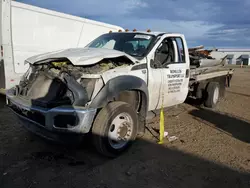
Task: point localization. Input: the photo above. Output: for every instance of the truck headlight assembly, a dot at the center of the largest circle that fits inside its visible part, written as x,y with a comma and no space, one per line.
88,84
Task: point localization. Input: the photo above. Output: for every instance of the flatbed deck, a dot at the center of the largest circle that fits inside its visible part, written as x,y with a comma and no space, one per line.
200,74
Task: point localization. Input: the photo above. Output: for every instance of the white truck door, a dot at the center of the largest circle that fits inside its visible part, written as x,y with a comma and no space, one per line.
173,60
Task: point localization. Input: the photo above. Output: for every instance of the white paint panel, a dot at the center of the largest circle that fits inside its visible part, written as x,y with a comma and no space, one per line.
123,71
35,33
154,87
87,36
174,85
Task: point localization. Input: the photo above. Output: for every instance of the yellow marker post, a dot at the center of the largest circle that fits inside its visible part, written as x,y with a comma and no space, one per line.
161,139
161,126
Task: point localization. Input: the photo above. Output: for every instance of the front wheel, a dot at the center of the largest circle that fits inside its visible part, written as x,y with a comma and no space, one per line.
114,128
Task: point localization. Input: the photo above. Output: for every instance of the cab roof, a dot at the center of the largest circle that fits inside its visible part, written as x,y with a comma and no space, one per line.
155,33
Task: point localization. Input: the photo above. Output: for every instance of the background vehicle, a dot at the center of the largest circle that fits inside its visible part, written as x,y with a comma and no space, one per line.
28,30
109,87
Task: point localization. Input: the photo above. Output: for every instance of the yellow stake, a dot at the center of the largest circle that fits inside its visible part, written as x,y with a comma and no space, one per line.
161,139
161,126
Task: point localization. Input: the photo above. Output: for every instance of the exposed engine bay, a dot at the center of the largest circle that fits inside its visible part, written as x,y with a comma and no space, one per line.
59,82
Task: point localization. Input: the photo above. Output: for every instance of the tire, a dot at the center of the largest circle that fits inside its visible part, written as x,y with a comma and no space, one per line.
212,94
107,124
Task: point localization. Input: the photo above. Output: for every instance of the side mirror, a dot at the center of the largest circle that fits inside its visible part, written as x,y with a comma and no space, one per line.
152,63
165,65
156,65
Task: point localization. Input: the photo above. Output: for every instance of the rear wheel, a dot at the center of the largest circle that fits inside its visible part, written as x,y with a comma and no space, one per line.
212,94
114,128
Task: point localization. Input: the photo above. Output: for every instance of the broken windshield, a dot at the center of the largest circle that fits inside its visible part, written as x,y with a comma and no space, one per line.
134,44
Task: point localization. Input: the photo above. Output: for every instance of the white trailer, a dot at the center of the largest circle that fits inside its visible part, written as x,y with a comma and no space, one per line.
28,30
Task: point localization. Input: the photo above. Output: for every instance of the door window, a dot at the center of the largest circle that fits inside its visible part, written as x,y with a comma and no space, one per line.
180,50
164,53
170,51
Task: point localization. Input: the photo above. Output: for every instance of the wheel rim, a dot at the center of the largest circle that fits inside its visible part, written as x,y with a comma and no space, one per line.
216,95
120,130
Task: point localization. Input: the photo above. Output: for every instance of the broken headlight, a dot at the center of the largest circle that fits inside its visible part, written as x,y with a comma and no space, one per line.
27,73
89,85
82,89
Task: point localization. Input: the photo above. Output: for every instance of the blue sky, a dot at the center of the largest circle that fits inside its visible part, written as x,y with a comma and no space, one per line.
213,23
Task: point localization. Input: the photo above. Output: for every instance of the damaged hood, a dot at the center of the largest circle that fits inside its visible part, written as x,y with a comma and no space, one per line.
80,56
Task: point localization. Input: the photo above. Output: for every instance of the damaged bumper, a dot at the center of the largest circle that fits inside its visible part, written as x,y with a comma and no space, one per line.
63,119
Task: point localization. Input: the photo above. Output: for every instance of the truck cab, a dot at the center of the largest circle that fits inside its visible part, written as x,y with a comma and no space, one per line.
162,62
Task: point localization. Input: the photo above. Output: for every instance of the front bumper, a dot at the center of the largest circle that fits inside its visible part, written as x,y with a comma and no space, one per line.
63,119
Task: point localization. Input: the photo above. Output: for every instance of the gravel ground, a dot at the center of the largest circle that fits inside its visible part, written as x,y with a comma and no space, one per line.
212,150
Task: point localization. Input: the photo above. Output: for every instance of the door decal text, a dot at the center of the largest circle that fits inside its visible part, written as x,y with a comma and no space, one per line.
175,79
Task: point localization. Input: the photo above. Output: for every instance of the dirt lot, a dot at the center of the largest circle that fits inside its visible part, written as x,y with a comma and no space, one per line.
213,150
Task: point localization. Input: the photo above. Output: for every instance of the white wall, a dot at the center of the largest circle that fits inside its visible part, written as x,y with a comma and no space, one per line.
219,55
36,30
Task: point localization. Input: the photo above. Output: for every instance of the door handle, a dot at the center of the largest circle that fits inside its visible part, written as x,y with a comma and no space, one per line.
187,73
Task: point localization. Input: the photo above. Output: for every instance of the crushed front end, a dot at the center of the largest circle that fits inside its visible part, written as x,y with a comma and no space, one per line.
54,97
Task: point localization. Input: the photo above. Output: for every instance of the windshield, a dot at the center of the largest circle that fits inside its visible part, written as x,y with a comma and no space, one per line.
134,44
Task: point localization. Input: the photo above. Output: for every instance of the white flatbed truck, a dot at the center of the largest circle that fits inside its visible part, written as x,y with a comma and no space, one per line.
107,88
29,30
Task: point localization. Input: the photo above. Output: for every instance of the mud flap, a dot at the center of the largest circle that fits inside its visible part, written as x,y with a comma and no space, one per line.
2,76
228,80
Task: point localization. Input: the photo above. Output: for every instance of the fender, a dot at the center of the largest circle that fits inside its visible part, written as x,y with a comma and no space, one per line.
117,85
124,83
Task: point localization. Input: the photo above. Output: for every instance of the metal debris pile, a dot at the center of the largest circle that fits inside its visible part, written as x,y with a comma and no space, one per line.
200,57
